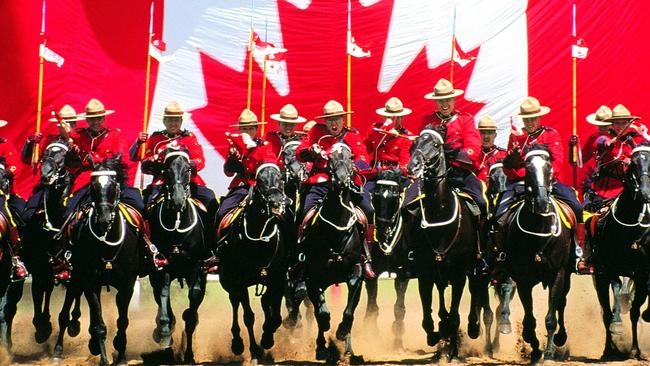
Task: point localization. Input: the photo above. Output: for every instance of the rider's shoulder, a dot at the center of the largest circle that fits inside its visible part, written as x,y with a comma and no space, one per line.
3,140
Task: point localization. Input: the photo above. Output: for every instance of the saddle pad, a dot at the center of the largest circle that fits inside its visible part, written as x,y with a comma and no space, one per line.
566,214
307,221
471,204
228,219
133,216
199,204
361,217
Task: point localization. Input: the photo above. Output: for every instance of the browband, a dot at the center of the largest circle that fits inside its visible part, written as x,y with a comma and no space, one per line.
641,148
537,153
99,173
59,145
386,182
177,153
495,166
432,132
266,165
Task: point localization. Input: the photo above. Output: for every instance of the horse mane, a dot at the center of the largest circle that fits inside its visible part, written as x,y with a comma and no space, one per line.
543,147
116,164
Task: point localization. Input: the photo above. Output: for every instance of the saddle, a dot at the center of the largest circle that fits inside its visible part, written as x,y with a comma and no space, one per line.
312,215
229,218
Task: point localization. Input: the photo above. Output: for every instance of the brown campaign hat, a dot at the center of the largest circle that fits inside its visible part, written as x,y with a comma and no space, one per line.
621,112
393,108
95,108
444,89
486,123
288,114
67,114
600,118
173,109
247,118
530,108
332,109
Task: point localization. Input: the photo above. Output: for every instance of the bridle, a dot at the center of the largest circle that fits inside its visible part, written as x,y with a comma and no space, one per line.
427,162
103,177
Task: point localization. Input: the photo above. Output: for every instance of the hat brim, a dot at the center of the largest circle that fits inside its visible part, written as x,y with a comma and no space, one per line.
3,123
487,129
86,115
69,119
163,115
622,117
384,113
249,124
543,110
279,118
433,95
342,113
592,119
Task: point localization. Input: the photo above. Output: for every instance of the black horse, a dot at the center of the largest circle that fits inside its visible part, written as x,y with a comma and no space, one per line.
389,253
622,248
497,184
10,292
104,244
40,245
178,230
537,240
442,234
253,254
332,247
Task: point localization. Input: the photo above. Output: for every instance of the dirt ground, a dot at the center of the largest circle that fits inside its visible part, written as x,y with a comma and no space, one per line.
372,343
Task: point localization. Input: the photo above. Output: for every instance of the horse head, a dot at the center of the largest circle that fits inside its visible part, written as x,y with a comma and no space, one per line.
497,179
295,170
269,188
340,165
638,172
177,173
427,155
538,180
386,199
105,187
52,162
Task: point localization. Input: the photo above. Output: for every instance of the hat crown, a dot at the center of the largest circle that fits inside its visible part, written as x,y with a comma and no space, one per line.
95,106
332,107
67,112
174,107
308,126
394,105
620,111
443,87
247,116
289,112
603,113
487,123
530,105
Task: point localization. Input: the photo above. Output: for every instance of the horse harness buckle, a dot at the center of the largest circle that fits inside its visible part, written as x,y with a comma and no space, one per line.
176,249
108,266
439,257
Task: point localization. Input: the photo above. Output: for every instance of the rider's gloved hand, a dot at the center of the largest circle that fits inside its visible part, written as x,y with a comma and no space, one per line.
35,138
512,160
451,153
142,137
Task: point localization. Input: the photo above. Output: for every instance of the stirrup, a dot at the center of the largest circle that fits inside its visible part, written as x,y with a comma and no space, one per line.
211,265
159,260
18,270
63,276
582,268
368,271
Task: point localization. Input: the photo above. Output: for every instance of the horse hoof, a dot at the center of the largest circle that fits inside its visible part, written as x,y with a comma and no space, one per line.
505,328
560,339
616,328
74,327
473,330
237,346
256,352
646,315
322,354
323,320
93,346
267,340
535,355
342,331
43,332
433,338
104,363
189,358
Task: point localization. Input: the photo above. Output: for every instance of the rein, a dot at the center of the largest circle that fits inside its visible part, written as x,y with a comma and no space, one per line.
177,223
103,237
556,227
351,221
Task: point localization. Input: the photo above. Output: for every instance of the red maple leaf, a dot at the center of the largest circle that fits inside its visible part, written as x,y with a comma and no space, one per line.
316,64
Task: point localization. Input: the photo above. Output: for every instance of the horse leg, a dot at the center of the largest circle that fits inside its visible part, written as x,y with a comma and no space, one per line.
237,345
39,320
425,288
48,288
488,315
640,294
355,283
97,327
122,300
561,336
292,304
322,315
372,310
196,293
602,284
473,323
13,295
616,327
64,320
160,282
271,303
505,296
454,317
399,310
74,327
555,292
249,321
526,298
443,314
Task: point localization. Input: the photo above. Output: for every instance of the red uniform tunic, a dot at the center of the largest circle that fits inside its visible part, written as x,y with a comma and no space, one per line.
319,135
487,157
160,141
107,143
543,135
611,161
251,159
461,134
386,150
277,141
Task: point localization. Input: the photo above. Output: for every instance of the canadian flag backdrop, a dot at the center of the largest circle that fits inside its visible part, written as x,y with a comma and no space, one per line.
520,47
